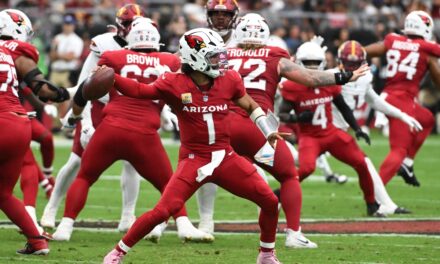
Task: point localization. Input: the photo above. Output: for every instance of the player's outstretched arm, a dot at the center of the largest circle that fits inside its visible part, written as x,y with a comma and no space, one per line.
316,78
349,117
267,124
131,88
34,79
285,115
375,50
379,104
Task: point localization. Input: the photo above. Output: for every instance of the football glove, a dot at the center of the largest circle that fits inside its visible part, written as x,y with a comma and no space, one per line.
362,134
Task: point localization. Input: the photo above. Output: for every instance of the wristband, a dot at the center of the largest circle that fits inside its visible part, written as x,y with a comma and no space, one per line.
342,78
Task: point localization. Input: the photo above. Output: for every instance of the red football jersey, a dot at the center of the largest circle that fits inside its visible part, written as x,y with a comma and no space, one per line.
141,115
259,70
9,101
19,48
202,115
407,62
319,101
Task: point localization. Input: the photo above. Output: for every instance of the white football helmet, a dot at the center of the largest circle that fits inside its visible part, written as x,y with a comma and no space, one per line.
143,35
15,24
311,55
419,23
204,50
252,29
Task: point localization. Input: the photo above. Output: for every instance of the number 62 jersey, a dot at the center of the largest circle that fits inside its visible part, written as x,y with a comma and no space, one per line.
141,115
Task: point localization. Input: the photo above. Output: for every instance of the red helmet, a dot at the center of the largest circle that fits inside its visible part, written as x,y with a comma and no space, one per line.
222,25
125,16
351,55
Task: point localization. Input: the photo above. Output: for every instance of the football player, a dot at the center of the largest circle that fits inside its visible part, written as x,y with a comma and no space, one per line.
15,123
132,121
200,97
222,16
351,55
90,119
261,68
408,60
319,135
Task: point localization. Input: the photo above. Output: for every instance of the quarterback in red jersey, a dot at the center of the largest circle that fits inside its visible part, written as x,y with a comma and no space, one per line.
407,63
260,66
200,97
131,120
319,135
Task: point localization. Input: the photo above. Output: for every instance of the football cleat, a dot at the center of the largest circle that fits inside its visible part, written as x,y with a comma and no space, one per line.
402,210
373,209
407,173
336,178
113,257
188,233
267,258
156,233
126,222
295,239
64,230
48,218
36,246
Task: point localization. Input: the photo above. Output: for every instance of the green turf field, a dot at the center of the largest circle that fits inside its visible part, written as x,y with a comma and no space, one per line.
320,201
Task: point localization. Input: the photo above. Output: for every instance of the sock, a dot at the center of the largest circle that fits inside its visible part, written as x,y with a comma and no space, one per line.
65,177
15,211
408,162
380,193
47,171
322,163
205,199
47,150
267,247
76,197
130,182
29,183
31,211
121,247
291,202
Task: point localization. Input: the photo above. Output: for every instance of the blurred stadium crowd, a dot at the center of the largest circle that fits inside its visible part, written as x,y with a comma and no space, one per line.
292,23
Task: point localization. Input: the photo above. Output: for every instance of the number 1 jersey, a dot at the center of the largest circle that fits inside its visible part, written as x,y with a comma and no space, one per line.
141,115
259,70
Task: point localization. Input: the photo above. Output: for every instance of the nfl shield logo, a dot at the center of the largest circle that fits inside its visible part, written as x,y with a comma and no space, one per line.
186,98
205,98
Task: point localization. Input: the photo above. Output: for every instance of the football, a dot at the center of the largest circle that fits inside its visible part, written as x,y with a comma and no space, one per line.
98,84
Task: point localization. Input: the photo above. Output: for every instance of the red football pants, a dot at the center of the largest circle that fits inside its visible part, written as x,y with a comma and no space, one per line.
43,136
31,175
343,147
14,142
247,139
404,142
109,144
235,174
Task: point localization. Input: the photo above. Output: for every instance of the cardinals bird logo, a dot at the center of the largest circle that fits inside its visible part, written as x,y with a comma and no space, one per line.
195,42
16,18
425,20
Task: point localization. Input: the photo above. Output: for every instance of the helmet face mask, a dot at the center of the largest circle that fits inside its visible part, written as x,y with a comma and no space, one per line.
143,35
16,24
351,55
125,16
204,51
252,29
419,23
222,15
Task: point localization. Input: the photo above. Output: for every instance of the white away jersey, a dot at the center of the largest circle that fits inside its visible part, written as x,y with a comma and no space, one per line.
354,95
104,42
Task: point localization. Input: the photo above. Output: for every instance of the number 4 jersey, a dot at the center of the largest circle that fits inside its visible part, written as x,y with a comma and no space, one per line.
140,115
319,101
259,70
407,62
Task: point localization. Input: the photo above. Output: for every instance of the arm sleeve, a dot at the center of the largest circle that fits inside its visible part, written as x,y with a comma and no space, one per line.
136,89
346,112
379,104
90,63
86,120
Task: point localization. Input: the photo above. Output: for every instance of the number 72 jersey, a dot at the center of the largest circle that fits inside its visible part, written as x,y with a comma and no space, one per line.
259,71
407,62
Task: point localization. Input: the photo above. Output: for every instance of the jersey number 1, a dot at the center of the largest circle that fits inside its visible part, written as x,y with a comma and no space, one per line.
211,130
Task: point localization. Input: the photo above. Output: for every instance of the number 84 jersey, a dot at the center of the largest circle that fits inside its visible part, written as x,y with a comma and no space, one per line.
259,70
407,62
